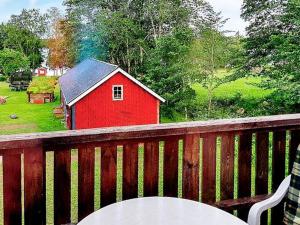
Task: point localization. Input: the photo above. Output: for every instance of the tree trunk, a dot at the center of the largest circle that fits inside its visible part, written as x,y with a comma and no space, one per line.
128,56
210,93
186,113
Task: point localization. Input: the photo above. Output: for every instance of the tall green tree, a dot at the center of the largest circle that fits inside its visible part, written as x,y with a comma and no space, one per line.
12,61
166,71
209,54
3,35
81,17
272,49
26,42
284,71
264,21
32,20
125,40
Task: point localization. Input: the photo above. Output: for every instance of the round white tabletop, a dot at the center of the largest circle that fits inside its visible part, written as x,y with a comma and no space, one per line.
160,211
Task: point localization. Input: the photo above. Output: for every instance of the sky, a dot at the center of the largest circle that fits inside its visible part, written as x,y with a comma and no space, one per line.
10,7
230,9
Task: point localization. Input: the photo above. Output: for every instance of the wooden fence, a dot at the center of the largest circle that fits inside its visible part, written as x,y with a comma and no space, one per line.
221,160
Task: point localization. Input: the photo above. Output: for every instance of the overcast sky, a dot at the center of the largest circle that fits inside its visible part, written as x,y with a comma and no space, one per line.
230,9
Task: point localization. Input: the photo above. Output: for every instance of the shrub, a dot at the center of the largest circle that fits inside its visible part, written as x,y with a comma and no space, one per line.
3,78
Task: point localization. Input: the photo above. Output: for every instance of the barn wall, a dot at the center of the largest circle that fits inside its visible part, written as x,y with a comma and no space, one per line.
98,109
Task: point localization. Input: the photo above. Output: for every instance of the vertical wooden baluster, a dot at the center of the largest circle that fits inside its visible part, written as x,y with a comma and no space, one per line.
108,174
190,173
278,171
130,170
151,161
227,166
262,164
12,189
34,186
86,171
244,168
62,186
209,169
295,142
171,167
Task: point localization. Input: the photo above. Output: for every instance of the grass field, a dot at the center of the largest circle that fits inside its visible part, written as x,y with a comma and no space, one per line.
31,117
244,86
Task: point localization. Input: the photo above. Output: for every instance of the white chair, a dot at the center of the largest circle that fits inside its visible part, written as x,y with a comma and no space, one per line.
258,208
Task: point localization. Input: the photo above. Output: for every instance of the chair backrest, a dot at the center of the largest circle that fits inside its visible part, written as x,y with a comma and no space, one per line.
292,207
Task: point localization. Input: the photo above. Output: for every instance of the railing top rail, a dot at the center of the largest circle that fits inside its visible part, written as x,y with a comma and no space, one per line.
148,131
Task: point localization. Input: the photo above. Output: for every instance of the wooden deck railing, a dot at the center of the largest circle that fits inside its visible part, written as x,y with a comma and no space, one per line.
221,160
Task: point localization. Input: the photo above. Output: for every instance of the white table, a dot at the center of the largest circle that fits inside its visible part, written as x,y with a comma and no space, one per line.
160,211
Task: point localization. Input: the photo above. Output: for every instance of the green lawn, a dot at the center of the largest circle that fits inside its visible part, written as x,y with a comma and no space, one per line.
31,117
244,86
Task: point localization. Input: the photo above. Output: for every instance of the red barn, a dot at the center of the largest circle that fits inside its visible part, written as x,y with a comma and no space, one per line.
98,94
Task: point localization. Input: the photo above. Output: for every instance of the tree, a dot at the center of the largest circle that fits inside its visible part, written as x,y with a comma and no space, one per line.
61,52
53,16
166,71
210,52
208,55
3,35
26,42
272,49
149,38
60,40
31,20
125,41
283,74
81,17
264,21
12,61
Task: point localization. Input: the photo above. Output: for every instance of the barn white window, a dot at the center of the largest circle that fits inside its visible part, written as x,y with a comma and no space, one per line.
117,92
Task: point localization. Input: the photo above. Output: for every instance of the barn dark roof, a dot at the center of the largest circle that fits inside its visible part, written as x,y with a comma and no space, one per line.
82,77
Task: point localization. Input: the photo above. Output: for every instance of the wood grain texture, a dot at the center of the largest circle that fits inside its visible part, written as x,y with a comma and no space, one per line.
240,203
86,172
149,131
262,165
34,186
244,169
62,186
171,167
130,170
295,142
190,172
108,174
227,165
209,169
278,171
12,190
151,168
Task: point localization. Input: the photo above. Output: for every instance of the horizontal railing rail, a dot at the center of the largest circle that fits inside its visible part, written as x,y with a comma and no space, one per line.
230,163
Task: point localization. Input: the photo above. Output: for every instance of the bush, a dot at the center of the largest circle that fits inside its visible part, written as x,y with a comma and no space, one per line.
3,78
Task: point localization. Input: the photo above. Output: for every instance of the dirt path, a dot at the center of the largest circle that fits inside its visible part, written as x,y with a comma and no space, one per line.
8,127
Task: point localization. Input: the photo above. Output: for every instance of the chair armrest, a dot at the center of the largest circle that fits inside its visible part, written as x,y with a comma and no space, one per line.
258,208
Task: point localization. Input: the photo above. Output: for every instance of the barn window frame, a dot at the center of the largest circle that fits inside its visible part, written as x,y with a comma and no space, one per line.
117,92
